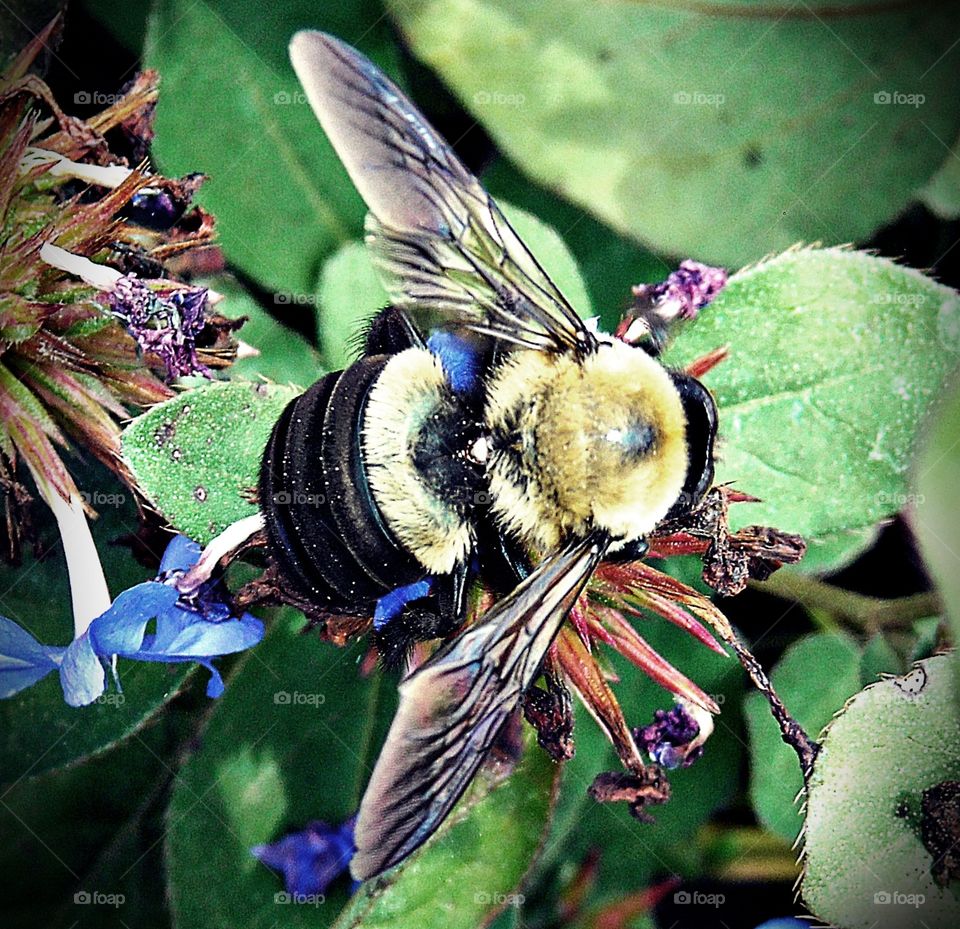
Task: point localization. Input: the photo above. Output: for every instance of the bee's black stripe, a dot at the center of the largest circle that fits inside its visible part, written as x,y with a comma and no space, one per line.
357,516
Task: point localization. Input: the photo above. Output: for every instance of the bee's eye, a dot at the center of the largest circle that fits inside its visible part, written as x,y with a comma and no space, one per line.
636,441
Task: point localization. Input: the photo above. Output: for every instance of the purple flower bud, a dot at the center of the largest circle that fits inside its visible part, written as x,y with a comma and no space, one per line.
674,739
688,289
681,296
163,323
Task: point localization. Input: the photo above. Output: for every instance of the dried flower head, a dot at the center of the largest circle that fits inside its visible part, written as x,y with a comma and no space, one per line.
103,327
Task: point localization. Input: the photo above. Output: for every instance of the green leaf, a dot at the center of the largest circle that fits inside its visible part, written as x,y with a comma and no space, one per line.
866,864
197,457
942,192
937,477
814,679
231,107
350,294
291,740
350,291
828,553
477,860
294,739
285,356
702,129
879,657
835,358
38,731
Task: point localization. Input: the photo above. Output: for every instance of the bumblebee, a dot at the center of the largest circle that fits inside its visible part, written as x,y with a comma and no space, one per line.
485,429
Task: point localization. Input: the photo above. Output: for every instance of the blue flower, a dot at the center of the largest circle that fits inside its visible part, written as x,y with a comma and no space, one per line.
197,628
311,859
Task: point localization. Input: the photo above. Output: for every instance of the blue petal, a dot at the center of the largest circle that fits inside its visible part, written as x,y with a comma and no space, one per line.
311,859
23,660
197,638
120,630
81,672
215,684
181,553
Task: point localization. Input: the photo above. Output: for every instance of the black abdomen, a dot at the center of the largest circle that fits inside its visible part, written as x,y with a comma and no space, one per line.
325,531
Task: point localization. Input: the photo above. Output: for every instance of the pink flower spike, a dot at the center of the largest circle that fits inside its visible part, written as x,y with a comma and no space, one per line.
630,644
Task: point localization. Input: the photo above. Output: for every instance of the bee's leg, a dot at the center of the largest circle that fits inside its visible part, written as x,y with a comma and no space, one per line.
392,604
632,551
503,561
452,590
550,712
406,615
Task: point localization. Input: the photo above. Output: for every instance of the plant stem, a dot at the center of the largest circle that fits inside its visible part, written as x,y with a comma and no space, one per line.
869,614
88,586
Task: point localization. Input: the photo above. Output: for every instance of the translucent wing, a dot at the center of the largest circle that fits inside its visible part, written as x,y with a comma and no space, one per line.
452,709
440,241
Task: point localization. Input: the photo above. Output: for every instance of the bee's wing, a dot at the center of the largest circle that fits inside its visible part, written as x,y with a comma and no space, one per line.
442,244
452,709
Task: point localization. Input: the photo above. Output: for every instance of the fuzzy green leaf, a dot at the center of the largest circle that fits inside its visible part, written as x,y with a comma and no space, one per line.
835,358
197,457
866,864
655,116
814,678
937,477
